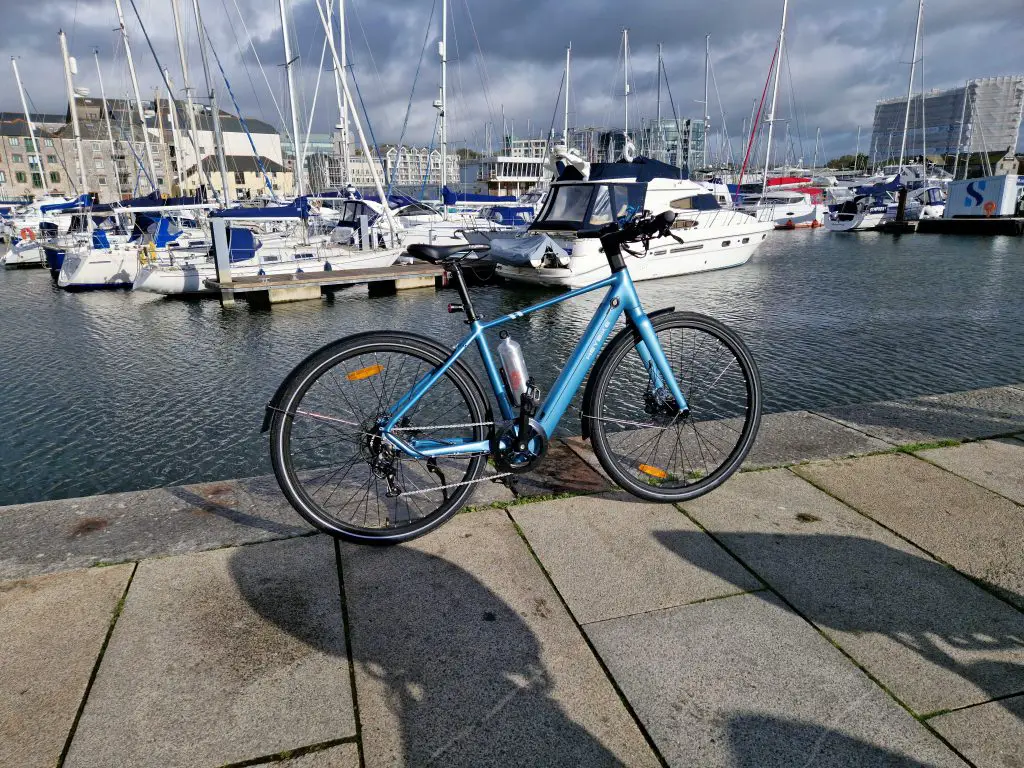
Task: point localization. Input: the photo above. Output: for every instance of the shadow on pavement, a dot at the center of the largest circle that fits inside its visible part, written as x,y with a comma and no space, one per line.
449,674
759,741
858,586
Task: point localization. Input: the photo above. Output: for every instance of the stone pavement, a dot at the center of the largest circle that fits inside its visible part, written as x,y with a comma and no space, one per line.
861,606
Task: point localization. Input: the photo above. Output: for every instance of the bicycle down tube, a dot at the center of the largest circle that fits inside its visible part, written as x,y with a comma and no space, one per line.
621,297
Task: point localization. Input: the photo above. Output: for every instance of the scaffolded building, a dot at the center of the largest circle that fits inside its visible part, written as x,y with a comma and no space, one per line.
980,116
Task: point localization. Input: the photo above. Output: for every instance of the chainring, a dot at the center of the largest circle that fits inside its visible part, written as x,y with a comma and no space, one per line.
512,454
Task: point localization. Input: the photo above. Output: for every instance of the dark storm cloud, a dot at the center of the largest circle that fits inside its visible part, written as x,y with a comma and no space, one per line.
842,57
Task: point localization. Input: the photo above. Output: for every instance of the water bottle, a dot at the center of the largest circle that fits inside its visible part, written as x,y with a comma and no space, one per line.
514,364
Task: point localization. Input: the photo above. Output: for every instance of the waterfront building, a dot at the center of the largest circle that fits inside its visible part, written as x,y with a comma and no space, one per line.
981,116
408,169
121,165
518,168
246,179
23,171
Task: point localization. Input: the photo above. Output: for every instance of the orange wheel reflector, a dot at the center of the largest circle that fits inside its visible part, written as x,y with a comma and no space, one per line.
365,373
647,469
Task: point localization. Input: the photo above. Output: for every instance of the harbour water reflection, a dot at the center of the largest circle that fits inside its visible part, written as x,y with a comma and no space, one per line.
105,392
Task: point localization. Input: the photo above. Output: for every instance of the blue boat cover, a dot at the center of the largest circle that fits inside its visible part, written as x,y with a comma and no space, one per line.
99,239
163,234
511,215
242,244
297,209
880,188
78,202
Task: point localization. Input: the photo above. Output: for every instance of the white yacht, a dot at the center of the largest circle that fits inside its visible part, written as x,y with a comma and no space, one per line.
270,250
28,226
786,208
561,247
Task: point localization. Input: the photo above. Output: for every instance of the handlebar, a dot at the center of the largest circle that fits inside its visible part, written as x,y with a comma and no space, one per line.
644,227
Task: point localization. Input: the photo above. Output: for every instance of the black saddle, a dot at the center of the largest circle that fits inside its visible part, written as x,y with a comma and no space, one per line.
436,254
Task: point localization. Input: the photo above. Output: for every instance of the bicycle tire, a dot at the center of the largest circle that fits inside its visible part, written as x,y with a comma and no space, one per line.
351,434
665,472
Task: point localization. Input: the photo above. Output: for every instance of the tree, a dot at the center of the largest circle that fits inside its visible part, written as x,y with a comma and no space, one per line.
848,162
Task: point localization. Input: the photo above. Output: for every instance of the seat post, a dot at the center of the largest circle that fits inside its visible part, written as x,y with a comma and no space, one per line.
460,285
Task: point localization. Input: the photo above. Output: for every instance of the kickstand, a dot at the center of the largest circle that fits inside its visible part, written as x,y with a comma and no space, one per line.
509,481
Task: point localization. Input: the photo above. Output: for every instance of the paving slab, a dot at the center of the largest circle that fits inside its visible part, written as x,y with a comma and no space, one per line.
62,535
341,756
221,657
602,554
464,656
743,681
52,629
975,530
994,464
990,735
930,635
561,471
951,416
796,436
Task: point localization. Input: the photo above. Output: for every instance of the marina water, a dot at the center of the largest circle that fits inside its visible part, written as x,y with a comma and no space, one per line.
103,392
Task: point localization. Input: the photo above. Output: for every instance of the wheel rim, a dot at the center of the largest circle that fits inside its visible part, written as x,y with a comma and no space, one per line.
343,475
666,452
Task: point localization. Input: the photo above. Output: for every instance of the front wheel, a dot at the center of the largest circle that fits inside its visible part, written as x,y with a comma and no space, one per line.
644,442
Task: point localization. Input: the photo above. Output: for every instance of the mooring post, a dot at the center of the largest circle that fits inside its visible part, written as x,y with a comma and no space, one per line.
222,261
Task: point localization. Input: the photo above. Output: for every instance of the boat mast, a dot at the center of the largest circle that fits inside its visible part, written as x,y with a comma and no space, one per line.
817,139
299,185
960,141
707,117
218,134
179,172
374,173
188,93
106,115
344,118
775,96
910,87
138,97
625,90
73,108
28,118
856,153
442,49
565,124
661,137
342,104
924,150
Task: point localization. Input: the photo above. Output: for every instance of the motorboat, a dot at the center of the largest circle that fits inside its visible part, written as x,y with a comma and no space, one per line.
561,248
786,208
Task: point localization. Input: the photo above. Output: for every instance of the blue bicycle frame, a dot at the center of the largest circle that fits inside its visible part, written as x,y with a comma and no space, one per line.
621,297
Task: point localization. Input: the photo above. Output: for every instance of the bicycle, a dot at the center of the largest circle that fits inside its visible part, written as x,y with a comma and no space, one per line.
381,436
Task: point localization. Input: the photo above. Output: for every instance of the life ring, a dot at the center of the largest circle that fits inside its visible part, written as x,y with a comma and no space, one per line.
27,233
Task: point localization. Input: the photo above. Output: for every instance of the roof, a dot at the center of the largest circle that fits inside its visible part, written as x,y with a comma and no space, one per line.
13,124
238,163
204,119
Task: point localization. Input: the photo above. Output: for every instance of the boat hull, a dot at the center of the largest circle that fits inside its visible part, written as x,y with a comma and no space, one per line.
860,222
711,251
190,279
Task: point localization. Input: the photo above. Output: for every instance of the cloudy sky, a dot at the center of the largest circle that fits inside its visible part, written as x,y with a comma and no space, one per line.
507,58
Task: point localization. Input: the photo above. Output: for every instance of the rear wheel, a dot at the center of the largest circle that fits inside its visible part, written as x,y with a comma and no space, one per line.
644,442
331,461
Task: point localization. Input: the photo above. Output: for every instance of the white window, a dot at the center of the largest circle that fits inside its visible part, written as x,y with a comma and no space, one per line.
48,142
13,141
102,180
95,146
99,165
3,177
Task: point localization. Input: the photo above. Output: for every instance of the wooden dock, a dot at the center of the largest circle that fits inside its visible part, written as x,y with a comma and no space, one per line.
301,286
